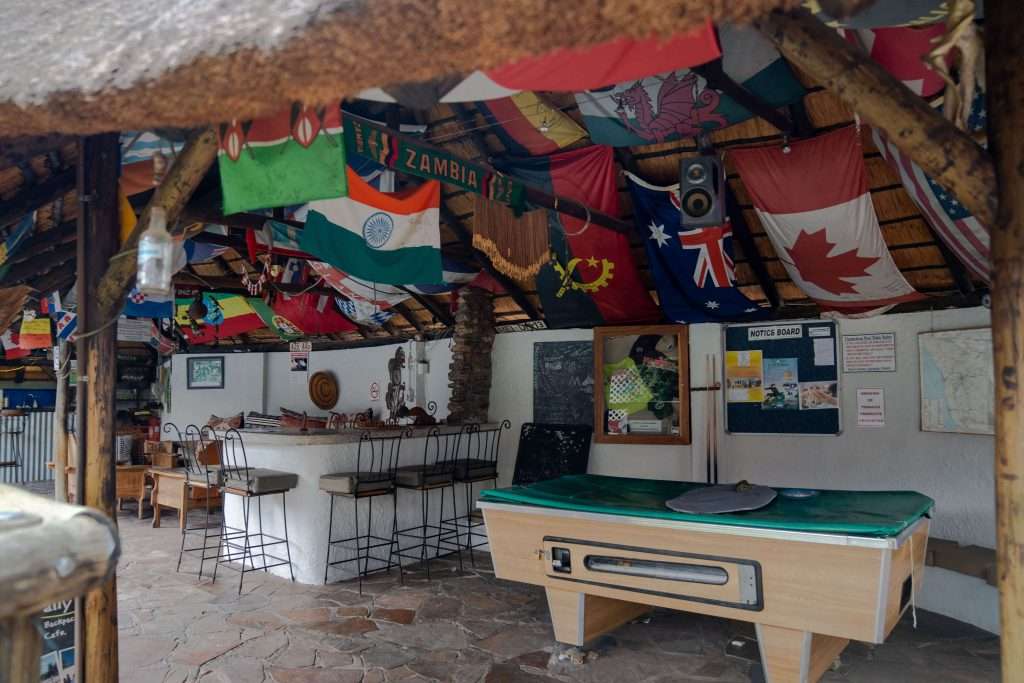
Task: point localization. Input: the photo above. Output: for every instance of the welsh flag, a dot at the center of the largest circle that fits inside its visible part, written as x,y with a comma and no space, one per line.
815,205
679,104
389,238
591,278
227,315
293,157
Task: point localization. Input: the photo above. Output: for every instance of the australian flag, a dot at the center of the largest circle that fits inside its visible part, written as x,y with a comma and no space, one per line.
693,269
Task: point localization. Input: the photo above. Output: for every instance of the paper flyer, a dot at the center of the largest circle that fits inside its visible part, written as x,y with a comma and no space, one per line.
781,384
744,377
819,395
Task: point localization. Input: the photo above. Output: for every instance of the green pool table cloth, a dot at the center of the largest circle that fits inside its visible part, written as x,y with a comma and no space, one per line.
859,513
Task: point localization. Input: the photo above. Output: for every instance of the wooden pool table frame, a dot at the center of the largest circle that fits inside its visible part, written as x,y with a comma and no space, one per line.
814,592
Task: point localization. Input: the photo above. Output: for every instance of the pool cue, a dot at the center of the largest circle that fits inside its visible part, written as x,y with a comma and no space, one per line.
708,406
714,415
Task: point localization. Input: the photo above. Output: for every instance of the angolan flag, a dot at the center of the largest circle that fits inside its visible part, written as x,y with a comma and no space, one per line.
815,206
390,238
293,157
591,278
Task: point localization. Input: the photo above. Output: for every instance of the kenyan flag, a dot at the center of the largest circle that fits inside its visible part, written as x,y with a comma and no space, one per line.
293,157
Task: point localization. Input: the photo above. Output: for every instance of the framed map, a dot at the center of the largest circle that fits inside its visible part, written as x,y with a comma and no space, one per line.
957,384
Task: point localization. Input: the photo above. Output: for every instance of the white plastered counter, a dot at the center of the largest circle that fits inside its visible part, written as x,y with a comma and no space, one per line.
310,455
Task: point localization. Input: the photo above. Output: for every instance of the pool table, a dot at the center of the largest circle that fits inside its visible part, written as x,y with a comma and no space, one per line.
811,573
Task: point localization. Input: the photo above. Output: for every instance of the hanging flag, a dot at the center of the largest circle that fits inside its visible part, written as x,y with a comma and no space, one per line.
815,206
199,252
566,70
875,14
142,153
390,238
139,305
679,104
364,312
455,275
282,326
901,51
591,278
12,349
381,296
692,269
16,235
293,157
313,314
50,304
158,340
35,333
528,124
408,155
227,315
67,323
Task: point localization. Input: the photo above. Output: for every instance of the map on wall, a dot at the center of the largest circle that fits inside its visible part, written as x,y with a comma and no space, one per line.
957,386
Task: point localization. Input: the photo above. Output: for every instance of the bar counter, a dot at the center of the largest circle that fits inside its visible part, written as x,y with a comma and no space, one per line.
311,454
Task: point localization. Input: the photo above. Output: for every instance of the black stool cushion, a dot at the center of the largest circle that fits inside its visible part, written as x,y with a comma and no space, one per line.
352,483
475,468
415,476
261,480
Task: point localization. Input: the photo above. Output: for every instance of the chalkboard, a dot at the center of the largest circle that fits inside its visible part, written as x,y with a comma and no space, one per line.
782,378
563,382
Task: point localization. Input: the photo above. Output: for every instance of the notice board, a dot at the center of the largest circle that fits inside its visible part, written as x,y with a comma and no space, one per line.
563,382
782,378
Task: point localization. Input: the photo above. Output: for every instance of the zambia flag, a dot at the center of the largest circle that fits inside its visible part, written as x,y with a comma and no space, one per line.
679,104
591,278
293,157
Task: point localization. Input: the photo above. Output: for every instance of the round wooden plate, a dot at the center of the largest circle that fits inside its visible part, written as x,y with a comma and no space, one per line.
323,390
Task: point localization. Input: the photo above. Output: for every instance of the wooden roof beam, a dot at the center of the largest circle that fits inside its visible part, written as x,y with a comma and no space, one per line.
950,156
439,313
715,75
36,196
741,231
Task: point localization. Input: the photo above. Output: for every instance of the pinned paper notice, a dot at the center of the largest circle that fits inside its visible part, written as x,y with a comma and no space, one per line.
824,351
871,407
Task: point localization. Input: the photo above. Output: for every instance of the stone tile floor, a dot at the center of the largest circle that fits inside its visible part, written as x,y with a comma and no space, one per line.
468,627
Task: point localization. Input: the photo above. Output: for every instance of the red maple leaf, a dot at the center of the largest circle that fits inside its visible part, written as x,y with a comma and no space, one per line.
810,256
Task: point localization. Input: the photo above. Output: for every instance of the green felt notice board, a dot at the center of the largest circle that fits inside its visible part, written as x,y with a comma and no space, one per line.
782,378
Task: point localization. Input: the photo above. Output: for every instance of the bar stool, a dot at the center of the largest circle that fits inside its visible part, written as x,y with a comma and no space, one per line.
244,545
479,465
437,473
12,426
196,444
374,476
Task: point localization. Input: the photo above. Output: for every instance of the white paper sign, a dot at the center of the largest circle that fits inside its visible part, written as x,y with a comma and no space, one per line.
762,332
871,407
824,351
869,352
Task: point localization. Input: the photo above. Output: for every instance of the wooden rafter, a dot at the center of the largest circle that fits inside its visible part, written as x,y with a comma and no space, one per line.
741,231
36,196
442,316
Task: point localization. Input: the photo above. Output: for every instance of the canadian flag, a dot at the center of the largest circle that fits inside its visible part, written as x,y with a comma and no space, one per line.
815,206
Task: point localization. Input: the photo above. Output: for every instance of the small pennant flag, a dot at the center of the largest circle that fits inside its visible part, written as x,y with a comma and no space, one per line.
67,323
139,305
35,333
12,349
815,206
364,312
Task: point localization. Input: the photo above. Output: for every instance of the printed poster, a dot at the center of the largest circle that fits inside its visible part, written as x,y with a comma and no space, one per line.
57,626
744,377
819,395
781,384
871,407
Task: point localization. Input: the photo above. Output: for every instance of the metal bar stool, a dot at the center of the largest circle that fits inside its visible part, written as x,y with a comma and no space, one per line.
12,426
479,465
374,476
200,474
437,473
244,545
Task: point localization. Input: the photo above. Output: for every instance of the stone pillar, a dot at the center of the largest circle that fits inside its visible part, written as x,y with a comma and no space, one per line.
469,375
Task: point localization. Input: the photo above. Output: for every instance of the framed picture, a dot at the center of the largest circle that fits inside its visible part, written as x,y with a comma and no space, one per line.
206,372
642,384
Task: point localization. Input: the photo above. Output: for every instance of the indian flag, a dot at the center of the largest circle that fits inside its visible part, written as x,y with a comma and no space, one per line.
380,237
293,157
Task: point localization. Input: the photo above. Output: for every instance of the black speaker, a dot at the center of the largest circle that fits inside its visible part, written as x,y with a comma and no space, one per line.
701,192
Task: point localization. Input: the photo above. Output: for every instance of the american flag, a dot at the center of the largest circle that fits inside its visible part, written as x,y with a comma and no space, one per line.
956,227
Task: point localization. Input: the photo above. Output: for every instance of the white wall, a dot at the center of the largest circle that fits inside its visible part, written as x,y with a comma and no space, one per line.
243,390
355,370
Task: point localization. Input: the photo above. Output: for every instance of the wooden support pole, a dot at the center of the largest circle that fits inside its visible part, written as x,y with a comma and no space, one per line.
99,164
1004,73
950,156
60,424
172,194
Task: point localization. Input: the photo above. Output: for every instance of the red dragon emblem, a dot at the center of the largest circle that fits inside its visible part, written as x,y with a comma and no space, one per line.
683,109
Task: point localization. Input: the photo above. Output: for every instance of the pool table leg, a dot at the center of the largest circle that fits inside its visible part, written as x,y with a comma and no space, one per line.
791,656
578,618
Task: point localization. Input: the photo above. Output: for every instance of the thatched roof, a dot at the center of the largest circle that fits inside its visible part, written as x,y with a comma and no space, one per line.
102,65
